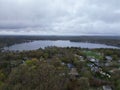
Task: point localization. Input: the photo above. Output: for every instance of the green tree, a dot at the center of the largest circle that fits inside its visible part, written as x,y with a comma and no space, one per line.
39,76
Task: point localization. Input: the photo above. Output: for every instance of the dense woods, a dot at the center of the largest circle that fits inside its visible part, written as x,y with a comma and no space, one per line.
56,68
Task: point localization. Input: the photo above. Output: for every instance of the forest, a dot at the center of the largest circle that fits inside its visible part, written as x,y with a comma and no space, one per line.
56,68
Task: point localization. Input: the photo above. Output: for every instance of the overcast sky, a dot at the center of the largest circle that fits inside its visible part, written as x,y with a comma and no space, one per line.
60,17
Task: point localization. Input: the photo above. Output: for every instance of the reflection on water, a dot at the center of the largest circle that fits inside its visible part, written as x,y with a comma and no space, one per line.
59,43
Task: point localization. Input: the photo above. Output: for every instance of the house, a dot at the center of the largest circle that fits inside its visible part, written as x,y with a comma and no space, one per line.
108,58
107,87
108,64
26,58
81,58
90,65
74,72
97,64
69,65
95,69
62,63
92,60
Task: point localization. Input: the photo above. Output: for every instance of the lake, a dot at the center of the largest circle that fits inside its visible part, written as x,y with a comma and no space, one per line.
58,43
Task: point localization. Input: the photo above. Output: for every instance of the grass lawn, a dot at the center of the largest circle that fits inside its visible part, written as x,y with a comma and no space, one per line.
93,54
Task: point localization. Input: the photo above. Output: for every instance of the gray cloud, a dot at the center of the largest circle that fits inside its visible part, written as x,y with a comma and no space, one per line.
60,17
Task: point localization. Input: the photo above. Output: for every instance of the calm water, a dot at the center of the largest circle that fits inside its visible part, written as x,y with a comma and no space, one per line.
59,43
